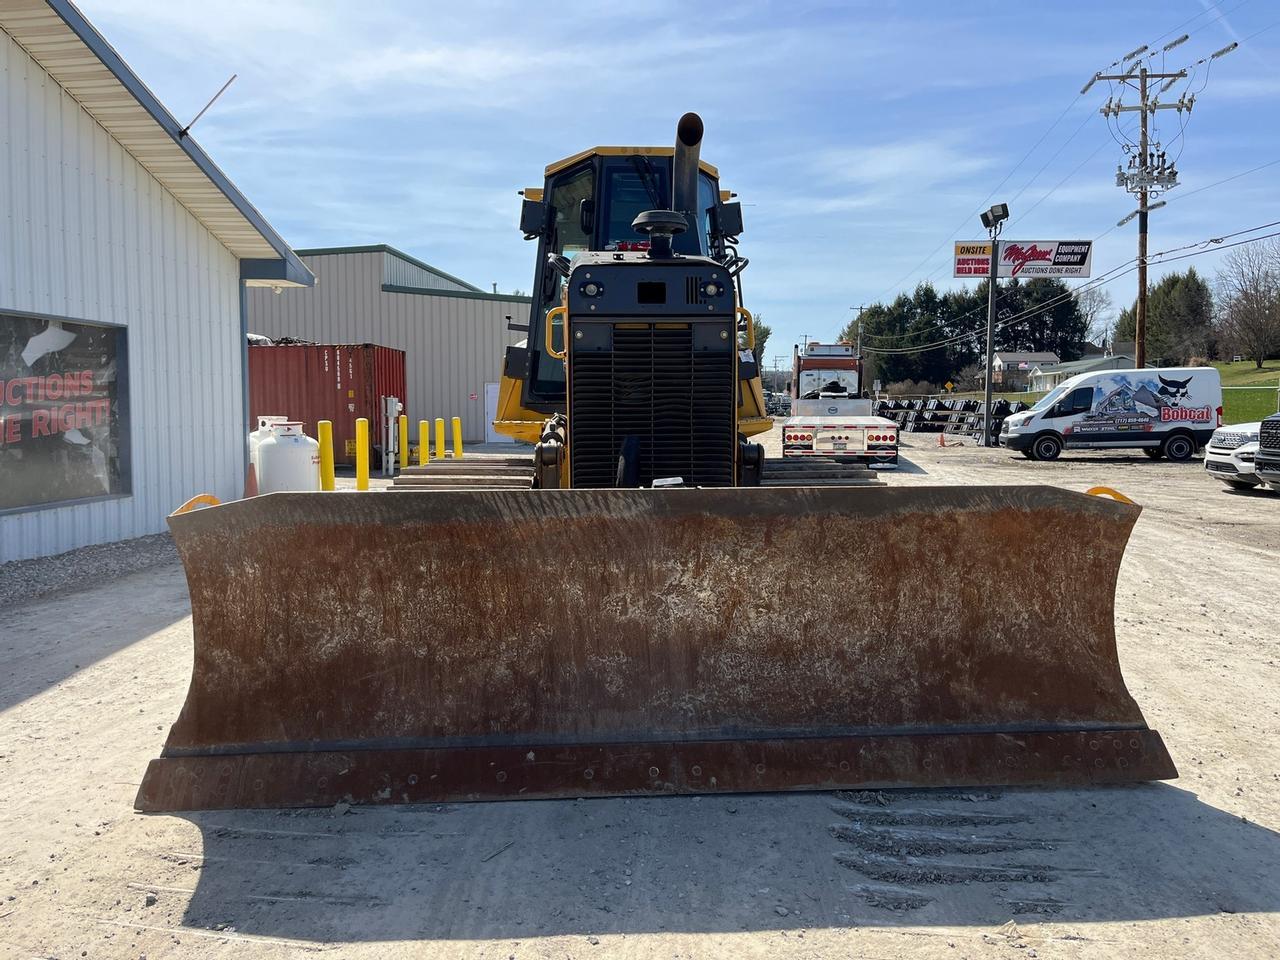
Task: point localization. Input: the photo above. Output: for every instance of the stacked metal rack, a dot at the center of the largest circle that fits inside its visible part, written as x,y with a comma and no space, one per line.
943,415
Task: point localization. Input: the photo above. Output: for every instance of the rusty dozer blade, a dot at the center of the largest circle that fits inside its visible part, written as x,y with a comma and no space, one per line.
505,644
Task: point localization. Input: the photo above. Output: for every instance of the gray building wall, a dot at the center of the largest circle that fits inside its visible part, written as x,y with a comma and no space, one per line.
400,270
91,235
454,339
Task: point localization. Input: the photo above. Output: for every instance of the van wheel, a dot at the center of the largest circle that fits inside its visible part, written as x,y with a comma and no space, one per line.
1155,453
1029,453
1047,446
1179,447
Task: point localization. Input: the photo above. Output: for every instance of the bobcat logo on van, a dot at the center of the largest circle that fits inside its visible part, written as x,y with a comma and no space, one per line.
1172,392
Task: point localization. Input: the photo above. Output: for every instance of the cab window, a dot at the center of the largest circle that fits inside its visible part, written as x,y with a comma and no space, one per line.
635,184
567,238
1080,401
631,187
566,199
706,203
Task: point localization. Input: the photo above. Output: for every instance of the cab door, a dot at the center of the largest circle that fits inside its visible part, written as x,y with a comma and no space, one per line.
1068,412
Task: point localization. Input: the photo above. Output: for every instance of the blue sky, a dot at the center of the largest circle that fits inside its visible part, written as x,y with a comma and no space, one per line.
861,137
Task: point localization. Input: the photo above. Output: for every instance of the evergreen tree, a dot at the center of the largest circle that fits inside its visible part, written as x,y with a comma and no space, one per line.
957,322
1179,319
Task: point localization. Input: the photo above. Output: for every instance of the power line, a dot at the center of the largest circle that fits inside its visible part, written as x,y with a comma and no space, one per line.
1216,8
1263,30
1208,245
976,334
982,206
933,274
1217,183
1063,180
1036,176
1109,230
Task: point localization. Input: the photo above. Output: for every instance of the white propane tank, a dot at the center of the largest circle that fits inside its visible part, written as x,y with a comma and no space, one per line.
257,436
288,460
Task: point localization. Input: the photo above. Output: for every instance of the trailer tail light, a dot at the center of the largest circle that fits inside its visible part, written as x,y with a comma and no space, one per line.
1219,416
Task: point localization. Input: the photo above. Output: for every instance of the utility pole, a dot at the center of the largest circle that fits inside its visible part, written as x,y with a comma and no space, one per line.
1150,171
859,319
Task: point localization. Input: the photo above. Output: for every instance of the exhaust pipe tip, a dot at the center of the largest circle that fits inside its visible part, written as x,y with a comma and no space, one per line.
689,130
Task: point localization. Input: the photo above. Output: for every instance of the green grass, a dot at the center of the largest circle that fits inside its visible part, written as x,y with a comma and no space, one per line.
1246,374
1245,406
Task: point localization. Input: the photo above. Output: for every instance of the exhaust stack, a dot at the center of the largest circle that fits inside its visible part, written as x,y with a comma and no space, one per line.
684,167
661,225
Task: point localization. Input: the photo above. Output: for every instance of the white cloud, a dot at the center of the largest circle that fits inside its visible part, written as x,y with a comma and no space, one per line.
902,166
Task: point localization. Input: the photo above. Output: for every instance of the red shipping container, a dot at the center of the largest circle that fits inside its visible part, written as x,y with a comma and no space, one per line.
337,382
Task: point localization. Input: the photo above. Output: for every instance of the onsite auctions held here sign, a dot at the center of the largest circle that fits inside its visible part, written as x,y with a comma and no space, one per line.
1023,258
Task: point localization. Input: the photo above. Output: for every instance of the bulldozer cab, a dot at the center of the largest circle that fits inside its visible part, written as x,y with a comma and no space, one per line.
588,203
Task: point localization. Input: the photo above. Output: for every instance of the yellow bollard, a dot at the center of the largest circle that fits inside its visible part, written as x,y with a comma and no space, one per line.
324,433
362,453
404,441
424,443
439,438
457,438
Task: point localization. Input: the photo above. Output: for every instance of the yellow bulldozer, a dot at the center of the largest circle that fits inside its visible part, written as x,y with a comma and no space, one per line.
652,606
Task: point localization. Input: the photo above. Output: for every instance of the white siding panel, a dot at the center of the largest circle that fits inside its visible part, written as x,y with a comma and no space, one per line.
453,345
88,234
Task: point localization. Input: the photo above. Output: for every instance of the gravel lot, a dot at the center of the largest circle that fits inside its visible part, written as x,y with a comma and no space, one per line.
93,675
27,580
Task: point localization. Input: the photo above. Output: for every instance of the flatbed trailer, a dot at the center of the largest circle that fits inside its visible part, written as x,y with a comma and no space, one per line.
831,413
869,440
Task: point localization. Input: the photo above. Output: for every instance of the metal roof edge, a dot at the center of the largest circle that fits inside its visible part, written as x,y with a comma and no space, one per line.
610,151
102,49
386,248
464,294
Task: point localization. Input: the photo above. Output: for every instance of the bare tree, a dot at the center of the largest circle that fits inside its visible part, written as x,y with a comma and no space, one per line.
1249,300
1097,308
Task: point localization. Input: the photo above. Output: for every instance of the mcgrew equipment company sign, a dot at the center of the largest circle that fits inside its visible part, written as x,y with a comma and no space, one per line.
1025,258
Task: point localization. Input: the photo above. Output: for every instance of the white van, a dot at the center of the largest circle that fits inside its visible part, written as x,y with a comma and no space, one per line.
1167,412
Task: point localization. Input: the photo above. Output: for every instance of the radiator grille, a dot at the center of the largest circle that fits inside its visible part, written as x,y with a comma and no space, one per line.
1226,440
653,385
1269,436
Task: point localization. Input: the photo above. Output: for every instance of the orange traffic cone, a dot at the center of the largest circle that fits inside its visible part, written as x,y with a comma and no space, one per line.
942,439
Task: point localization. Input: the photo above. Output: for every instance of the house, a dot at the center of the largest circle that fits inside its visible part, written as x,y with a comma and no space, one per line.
1046,376
1011,370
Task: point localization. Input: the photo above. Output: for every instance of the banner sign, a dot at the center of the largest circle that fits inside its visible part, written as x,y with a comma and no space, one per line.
63,426
1023,258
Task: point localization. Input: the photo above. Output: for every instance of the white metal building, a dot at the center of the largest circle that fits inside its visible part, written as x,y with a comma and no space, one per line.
124,255
454,335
